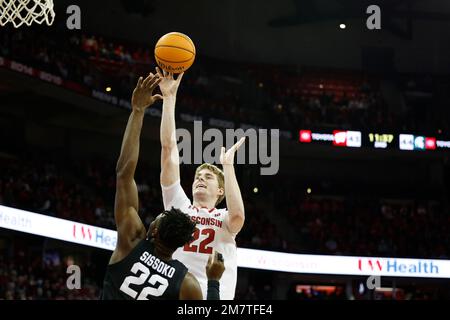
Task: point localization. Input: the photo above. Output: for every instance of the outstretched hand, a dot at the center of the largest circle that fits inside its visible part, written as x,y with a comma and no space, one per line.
168,85
143,93
227,158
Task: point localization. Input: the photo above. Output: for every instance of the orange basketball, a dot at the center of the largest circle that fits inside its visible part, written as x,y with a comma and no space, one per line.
174,52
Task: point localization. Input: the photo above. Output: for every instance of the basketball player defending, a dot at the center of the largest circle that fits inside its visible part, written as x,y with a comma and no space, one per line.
141,266
216,228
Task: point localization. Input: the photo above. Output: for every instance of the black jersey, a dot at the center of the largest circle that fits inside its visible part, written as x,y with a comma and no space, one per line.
143,276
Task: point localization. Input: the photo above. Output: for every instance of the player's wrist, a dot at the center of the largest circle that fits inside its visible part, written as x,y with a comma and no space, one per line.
213,292
170,97
228,168
229,165
138,110
214,281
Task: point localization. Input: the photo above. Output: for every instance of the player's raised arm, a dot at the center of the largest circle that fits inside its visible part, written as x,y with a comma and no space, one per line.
233,196
170,170
129,225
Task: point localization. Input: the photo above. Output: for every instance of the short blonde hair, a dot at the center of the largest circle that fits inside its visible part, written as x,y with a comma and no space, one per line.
219,174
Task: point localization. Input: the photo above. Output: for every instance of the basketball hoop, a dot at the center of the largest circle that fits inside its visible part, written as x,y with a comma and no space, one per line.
19,12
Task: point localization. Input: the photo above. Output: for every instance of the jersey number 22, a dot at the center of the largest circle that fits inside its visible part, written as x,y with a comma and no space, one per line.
147,291
203,246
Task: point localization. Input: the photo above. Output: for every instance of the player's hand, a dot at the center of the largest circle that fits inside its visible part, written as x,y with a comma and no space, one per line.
215,266
168,85
143,93
227,158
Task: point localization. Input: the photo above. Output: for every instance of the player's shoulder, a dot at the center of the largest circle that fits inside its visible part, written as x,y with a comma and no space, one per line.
190,288
221,210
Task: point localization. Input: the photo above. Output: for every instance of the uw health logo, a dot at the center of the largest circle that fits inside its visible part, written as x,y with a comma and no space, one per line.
399,266
81,232
94,236
370,265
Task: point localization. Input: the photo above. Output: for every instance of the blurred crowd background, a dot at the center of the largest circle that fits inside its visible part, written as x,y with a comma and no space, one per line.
52,162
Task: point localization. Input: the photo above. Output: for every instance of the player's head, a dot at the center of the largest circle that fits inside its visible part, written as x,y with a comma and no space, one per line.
172,228
209,183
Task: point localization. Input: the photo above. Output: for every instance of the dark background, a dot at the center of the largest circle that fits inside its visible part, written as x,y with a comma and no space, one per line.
59,145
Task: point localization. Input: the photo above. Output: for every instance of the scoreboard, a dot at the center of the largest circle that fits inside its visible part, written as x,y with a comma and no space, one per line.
374,140
381,140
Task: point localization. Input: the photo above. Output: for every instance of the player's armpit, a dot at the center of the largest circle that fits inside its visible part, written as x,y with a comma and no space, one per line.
174,196
129,233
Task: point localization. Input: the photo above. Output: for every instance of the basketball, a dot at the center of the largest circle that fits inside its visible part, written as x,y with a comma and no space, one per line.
174,52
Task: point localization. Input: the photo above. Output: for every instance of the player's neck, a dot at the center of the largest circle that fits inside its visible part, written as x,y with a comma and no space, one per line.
204,204
163,252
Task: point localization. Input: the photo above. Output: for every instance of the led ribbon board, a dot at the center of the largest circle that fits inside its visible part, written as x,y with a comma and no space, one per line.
84,234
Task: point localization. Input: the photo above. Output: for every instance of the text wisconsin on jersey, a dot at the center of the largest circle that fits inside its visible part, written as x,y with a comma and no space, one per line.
207,221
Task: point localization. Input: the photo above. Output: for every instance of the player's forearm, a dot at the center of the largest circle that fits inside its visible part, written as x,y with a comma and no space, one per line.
129,153
235,204
168,129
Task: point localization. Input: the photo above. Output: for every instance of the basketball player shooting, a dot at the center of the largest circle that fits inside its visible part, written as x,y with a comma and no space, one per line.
216,228
141,266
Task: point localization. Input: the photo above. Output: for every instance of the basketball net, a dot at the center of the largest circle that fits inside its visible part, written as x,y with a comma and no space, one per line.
20,12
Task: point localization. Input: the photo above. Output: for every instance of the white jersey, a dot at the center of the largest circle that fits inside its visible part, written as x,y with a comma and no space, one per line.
212,233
